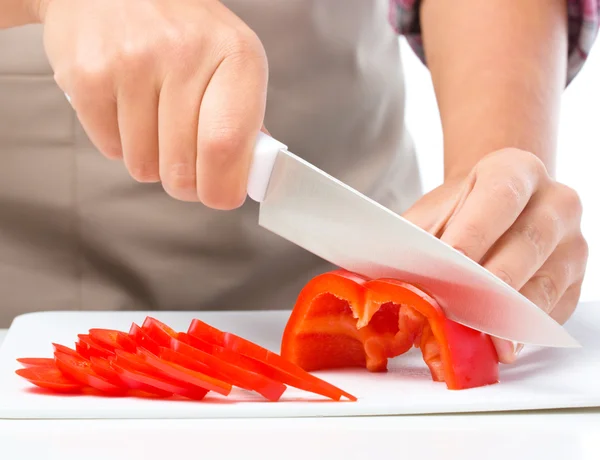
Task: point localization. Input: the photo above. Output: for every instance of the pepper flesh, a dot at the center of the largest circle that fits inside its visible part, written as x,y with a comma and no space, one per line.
343,320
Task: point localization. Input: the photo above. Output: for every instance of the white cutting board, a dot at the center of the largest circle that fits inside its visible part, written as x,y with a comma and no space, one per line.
542,379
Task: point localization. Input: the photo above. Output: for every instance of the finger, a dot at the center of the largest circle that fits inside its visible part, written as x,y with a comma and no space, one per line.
499,195
521,251
567,304
434,210
507,351
179,105
137,112
553,288
96,109
565,266
231,115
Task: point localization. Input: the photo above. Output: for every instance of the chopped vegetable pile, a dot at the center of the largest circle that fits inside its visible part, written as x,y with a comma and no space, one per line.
156,361
342,320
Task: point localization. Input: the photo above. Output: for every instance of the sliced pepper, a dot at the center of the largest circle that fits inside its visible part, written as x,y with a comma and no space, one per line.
137,374
66,350
343,320
49,378
228,371
111,339
36,362
158,331
191,377
143,340
80,370
258,359
87,347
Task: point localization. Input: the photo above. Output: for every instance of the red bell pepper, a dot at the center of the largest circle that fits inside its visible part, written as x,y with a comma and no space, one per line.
344,320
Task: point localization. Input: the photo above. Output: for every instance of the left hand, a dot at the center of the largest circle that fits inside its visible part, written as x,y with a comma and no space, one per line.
510,216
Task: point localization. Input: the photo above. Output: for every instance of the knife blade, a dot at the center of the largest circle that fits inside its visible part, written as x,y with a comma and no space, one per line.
312,209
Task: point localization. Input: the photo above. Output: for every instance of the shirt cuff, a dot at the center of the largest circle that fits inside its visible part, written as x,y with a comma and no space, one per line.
584,20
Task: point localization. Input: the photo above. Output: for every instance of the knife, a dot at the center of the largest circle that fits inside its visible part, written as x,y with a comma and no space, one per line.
326,217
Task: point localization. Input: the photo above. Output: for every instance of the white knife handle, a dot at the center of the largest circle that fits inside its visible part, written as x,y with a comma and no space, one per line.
265,153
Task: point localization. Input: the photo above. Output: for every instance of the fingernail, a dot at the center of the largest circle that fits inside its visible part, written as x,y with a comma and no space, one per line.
518,349
508,351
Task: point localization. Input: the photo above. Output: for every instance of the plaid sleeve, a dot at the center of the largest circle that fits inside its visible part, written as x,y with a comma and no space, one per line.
584,20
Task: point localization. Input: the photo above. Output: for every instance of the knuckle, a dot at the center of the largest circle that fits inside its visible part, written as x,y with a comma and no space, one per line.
243,47
471,241
585,247
539,237
61,78
582,250
571,198
224,146
134,57
554,226
511,192
535,164
239,41
184,49
548,289
504,275
89,80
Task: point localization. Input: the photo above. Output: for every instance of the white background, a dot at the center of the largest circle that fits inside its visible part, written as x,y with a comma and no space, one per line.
579,144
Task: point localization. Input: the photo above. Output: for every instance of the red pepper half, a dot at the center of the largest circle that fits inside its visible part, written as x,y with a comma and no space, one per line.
344,320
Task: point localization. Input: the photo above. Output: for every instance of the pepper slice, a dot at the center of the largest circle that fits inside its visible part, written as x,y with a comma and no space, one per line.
206,332
191,377
158,331
80,370
111,339
104,368
138,374
255,358
284,369
143,340
343,320
225,370
49,378
86,347
66,350
36,362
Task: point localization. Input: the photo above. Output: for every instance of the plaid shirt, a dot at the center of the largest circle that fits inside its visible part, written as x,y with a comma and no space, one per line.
584,19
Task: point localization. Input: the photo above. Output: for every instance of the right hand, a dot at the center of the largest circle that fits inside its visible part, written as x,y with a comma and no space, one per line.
176,88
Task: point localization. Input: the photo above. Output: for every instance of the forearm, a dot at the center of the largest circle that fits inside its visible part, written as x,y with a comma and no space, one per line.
18,12
498,68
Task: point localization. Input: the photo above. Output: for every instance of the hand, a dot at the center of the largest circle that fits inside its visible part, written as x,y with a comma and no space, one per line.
520,224
176,88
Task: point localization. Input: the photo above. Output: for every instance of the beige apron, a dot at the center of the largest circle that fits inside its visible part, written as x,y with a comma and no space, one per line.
76,232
